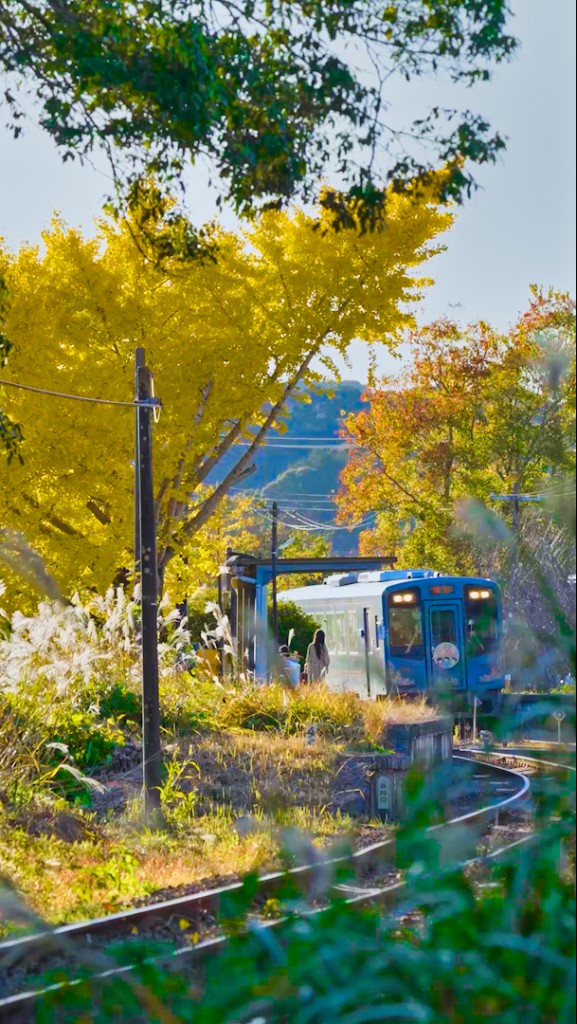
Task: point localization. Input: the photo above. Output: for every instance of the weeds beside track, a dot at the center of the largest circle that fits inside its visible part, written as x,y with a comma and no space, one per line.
370,877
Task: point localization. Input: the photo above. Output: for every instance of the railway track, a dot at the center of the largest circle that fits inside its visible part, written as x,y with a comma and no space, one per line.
373,878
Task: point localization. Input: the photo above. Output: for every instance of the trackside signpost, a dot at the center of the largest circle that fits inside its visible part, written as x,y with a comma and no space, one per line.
145,545
310,734
560,716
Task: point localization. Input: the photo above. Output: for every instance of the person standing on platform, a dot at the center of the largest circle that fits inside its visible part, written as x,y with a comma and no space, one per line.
318,659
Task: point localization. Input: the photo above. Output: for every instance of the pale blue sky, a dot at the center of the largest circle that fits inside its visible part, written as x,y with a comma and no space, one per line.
519,228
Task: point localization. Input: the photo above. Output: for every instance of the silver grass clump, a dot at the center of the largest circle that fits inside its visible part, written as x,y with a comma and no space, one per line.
84,642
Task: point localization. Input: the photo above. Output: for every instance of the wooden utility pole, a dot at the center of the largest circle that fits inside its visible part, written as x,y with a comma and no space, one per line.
273,564
220,644
145,539
138,365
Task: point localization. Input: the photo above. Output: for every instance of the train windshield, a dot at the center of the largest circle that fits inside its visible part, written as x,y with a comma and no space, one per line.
482,621
406,629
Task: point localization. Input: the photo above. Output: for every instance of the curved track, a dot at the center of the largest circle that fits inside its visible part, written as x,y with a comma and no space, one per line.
520,756
76,939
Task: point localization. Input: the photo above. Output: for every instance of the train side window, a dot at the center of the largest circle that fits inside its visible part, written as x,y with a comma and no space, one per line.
377,632
341,634
353,632
330,630
406,631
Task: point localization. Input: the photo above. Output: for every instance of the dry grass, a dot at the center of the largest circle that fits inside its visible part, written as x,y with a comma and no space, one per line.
246,771
377,715
339,715
65,881
228,799
238,776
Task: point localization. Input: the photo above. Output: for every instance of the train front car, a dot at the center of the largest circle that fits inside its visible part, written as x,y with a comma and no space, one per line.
444,634
410,631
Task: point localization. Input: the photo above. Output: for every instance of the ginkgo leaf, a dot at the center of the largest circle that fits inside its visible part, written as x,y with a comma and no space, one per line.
225,340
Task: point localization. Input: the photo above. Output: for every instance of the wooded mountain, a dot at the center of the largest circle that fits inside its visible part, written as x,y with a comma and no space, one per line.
301,479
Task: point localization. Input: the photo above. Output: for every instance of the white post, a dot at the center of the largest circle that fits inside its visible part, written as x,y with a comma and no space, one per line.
559,715
476,703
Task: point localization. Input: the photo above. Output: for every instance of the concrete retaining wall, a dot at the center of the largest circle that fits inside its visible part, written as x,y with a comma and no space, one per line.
424,743
373,785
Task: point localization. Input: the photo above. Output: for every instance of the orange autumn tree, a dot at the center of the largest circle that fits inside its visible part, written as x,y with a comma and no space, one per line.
476,412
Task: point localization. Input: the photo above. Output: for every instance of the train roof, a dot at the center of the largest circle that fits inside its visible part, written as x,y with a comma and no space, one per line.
346,588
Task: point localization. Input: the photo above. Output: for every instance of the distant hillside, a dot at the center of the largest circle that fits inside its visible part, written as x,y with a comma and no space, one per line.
304,479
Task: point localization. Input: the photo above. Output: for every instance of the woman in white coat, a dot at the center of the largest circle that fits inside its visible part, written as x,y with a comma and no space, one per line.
318,659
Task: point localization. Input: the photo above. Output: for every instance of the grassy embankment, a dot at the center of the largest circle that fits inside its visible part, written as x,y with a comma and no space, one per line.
237,778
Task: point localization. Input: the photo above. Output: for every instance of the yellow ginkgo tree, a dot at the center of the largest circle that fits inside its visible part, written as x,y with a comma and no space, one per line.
229,338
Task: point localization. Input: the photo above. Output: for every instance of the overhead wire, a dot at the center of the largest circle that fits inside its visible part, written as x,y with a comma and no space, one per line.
286,495
325,506
306,437
154,403
311,526
534,494
299,447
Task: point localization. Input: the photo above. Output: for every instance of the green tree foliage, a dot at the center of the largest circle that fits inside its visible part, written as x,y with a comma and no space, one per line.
229,341
290,616
10,432
269,91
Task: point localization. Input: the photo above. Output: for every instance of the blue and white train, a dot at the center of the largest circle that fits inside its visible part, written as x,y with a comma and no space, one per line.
410,631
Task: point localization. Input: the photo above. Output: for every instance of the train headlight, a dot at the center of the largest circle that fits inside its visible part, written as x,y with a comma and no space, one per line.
485,594
475,595
407,598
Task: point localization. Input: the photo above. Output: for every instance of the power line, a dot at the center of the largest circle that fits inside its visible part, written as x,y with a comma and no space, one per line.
315,527
285,495
83,398
292,447
297,503
321,526
532,496
306,437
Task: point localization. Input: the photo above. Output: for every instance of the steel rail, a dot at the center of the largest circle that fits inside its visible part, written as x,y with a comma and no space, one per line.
511,756
59,939
209,899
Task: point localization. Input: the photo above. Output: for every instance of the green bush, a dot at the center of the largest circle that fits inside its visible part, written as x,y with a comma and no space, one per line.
90,741
118,702
290,616
46,751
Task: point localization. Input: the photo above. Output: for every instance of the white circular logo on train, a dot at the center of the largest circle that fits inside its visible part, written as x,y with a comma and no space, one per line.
446,656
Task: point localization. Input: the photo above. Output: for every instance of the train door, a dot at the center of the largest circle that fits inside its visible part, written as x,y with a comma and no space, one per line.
446,651
366,634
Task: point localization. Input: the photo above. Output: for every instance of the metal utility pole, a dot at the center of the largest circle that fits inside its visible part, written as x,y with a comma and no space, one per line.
146,560
273,566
